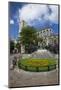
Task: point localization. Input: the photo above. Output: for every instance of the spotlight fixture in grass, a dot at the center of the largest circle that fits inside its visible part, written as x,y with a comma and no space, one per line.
37,65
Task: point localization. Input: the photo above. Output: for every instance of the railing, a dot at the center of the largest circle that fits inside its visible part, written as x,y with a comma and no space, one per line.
38,68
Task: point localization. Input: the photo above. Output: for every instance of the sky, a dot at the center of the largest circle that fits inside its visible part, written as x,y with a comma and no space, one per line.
36,15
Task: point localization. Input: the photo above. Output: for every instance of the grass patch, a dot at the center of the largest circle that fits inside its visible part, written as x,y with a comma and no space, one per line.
37,65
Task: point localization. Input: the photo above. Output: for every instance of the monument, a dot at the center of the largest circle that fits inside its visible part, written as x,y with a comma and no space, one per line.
22,24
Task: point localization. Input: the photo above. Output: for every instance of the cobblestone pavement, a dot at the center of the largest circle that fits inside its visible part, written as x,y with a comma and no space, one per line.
19,77
23,78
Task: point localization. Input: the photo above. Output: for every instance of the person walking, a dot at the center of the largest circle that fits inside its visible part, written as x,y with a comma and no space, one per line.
14,62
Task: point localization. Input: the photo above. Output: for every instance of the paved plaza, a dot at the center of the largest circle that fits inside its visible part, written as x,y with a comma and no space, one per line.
19,77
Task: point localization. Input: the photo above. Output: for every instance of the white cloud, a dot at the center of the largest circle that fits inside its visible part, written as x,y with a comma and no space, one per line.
54,15
39,12
11,21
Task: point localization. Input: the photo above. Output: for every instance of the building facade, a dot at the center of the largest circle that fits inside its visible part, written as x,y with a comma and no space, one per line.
48,37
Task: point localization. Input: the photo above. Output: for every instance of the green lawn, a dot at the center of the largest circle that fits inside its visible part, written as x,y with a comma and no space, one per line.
37,64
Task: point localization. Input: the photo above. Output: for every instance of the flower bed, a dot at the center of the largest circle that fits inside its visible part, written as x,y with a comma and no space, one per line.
37,65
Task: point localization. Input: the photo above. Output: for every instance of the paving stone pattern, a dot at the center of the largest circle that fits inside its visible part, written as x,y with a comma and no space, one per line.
19,77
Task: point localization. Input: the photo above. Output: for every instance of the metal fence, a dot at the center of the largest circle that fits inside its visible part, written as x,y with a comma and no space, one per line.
38,68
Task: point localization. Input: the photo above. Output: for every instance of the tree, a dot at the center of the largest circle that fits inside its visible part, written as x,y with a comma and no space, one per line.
18,46
28,37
